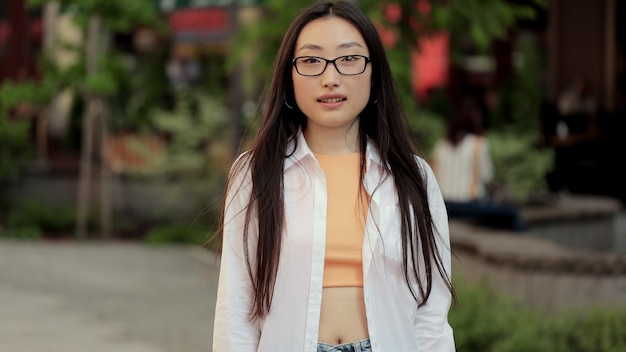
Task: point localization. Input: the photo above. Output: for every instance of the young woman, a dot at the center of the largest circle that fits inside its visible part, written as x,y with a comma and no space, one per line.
335,234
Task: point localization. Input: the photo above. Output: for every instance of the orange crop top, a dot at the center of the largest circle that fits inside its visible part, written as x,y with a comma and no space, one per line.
345,221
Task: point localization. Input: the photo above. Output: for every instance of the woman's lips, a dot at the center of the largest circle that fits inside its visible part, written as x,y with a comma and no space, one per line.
332,103
331,100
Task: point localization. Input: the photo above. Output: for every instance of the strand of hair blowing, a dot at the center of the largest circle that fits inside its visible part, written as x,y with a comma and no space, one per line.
385,125
267,197
269,151
398,157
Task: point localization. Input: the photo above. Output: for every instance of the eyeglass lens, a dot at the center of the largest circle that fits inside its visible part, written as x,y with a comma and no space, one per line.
346,65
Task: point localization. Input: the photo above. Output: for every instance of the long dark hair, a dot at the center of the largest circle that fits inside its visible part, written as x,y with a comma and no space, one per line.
382,122
467,117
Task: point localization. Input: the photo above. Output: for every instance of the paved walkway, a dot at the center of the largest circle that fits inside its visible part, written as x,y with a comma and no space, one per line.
107,296
101,296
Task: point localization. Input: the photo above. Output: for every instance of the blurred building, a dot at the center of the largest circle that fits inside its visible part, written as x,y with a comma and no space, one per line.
584,39
20,40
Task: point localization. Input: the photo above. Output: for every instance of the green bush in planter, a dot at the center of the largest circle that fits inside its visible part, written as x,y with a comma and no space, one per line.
486,322
520,165
178,233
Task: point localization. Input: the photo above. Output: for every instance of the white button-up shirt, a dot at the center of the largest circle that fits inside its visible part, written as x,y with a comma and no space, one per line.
464,170
395,323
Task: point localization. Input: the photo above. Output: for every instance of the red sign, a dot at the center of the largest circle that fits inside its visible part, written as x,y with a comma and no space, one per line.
431,64
5,32
199,24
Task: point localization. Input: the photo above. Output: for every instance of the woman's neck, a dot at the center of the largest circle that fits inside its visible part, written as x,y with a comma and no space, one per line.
332,141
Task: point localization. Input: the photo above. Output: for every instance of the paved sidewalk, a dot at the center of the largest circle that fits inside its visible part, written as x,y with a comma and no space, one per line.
103,296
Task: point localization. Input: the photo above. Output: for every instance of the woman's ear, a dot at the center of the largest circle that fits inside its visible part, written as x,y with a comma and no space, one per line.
290,99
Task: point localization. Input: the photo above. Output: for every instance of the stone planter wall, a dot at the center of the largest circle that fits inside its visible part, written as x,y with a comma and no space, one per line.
568,262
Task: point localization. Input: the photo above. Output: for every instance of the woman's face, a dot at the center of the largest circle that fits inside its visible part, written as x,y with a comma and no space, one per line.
331,101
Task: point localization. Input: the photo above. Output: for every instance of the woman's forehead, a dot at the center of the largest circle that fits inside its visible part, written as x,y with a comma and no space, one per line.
329,33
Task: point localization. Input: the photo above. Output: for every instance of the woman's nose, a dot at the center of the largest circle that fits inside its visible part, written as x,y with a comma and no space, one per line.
330,76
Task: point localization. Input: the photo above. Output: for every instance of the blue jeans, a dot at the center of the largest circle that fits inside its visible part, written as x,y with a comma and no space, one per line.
488,213
358,346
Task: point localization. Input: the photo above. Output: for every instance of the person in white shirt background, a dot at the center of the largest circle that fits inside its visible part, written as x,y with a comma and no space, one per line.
464,169
332,96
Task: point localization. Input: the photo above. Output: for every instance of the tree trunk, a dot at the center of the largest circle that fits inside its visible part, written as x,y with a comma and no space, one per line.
86,163
105,176
87,141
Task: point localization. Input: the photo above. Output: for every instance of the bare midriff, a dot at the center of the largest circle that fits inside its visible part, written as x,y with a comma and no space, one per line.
343,318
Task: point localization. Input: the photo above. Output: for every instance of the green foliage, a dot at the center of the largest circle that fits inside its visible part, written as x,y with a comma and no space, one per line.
196,134
14,93
484,321
32,220
14,147
400,62
475,21
15,151
118,15
427,127
520,164
480,21
178,233
101,84
138,93
57,78
28,232
45,216
260,40
479,318
519,106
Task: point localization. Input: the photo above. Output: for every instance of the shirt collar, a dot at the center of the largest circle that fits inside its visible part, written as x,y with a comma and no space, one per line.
302,151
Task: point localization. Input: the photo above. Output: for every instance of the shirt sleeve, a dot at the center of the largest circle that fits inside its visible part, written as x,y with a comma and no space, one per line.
233,329
431,325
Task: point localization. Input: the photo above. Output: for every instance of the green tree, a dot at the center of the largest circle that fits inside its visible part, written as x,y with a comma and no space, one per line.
94,76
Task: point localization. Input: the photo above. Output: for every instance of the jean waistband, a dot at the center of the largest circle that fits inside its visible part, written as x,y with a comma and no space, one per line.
357,346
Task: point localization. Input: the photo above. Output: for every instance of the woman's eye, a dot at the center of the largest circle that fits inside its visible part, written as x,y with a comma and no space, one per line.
311,60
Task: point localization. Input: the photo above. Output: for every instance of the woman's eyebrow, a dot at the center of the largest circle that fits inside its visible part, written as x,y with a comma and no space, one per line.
310,46
341,46
349,45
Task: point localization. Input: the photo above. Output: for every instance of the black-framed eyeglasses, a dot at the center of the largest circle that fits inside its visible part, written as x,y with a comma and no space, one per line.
348,65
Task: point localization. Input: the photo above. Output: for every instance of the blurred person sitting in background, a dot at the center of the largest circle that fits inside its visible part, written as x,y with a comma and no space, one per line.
464,169
577,98
577,108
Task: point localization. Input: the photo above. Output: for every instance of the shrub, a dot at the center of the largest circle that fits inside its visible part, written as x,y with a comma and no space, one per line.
178,233
46,217
15,151
480,318
26,232
520,165
484,321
